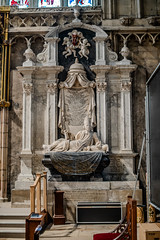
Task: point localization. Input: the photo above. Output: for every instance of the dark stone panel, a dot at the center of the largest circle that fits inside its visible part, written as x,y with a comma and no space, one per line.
67,62
17,50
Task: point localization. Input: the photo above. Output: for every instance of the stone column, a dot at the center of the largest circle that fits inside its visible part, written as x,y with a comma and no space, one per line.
52,53
27,143
3,154
100,50
101,96
138,5
126,109
52,103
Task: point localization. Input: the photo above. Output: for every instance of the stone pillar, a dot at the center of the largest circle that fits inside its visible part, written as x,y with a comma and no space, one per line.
27,143
126,109
100,50
101,96
3,154
52,102
138,5
52,53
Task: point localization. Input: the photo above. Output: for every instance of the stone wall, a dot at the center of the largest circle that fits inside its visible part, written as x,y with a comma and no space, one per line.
145,55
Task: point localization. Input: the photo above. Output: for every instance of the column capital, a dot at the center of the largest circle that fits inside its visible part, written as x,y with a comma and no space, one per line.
27,72
125,69
101,86
54,39
27,88
126,85
101,70
100,38
52,72
51,87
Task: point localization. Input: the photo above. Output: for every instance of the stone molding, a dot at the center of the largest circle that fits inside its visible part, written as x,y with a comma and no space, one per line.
31,17
16,10
154,20
126,21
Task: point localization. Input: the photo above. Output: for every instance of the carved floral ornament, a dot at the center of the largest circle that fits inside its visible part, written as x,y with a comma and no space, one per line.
51,87
126,86
27,88
101,86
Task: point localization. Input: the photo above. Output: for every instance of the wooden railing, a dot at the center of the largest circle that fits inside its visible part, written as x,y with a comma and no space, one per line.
36,193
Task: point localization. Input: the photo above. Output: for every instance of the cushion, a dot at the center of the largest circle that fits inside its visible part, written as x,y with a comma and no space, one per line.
105,236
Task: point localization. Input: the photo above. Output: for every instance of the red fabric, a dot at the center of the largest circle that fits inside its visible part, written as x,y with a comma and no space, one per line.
105,236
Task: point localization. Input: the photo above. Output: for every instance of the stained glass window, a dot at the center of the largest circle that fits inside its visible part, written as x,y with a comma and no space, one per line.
49,3
82,3
19,3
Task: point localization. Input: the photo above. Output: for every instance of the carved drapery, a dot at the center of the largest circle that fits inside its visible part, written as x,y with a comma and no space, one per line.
75,102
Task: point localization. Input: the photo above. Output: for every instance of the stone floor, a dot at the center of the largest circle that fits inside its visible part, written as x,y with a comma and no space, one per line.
69,231
73,232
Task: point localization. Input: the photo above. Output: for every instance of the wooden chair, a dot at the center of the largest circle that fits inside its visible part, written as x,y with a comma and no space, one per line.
127,229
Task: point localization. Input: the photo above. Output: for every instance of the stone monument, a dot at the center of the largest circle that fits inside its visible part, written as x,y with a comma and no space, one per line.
81,151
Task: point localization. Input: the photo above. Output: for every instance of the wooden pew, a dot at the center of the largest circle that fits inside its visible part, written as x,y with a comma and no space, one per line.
127,229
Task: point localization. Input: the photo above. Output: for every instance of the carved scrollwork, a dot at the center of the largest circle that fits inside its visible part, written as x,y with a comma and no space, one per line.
111,55
51,87
126,21
41,57
27,88
101,86
126,86
154,20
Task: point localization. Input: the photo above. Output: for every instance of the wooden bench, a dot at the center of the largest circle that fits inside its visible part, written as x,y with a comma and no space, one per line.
127,229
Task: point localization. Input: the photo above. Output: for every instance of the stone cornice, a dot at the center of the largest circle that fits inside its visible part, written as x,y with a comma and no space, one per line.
16,10
101,68
125,68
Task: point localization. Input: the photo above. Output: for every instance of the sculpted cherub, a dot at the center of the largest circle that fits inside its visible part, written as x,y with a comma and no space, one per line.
84,50
69,49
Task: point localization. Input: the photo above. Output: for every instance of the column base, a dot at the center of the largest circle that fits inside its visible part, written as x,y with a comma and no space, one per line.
25,178
3,199
59,219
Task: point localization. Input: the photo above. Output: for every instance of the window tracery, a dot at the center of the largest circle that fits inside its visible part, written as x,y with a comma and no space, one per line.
20,3
49,3
52,3
82,3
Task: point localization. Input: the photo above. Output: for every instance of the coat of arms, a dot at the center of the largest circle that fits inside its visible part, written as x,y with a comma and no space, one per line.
76,40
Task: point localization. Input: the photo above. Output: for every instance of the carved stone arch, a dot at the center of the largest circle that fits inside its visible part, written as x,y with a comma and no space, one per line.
56,30
52,37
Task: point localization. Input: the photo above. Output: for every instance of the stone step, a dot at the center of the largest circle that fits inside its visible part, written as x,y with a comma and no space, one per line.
13,223
14,213
12,233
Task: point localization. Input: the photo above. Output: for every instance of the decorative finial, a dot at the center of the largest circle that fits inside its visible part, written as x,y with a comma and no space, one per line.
76,14
76,60
125,53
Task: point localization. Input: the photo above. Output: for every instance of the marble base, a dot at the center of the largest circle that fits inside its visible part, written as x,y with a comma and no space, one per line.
75,192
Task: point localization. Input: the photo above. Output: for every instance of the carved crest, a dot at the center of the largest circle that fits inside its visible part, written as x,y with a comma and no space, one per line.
76,40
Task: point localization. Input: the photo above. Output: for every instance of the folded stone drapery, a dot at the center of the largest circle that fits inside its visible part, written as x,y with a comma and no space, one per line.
75,163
